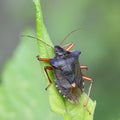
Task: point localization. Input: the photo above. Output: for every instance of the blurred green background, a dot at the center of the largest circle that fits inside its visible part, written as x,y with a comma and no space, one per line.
98,40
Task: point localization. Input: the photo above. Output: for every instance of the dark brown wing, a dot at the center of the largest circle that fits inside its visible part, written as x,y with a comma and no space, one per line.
78,75
65,89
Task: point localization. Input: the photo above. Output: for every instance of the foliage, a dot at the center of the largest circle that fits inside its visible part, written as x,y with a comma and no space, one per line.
22,94
59,104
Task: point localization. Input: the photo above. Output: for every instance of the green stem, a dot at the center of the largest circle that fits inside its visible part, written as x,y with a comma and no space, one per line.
57,102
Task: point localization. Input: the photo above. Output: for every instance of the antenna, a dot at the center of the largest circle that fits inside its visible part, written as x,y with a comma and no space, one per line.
37,39
68,35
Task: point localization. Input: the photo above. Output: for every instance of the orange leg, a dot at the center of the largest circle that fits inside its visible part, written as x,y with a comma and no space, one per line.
46,68
68,47
89,90
87,78
50,81
43,59
84,67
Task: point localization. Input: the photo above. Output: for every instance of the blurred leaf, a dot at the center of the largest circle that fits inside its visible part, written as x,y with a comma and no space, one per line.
22,94
57,102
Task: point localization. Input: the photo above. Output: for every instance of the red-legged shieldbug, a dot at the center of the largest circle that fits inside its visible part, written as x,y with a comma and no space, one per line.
68,76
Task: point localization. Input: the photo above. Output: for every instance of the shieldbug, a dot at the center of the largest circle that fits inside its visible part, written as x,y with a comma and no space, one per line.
68,76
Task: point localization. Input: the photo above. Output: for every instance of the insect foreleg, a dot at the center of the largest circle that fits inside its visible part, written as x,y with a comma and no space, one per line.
68,47
43,59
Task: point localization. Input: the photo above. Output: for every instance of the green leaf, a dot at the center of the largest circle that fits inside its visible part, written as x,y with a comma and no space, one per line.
22,94
57,102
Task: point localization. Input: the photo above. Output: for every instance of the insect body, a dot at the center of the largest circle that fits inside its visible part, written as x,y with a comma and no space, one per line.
68,76
67,73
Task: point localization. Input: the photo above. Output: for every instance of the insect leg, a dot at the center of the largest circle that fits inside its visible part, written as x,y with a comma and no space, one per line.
48,68
43,59
89,90
84,67
68,47
87,78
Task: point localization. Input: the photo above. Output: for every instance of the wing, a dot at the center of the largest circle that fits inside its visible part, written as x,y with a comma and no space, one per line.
78,75
65,89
